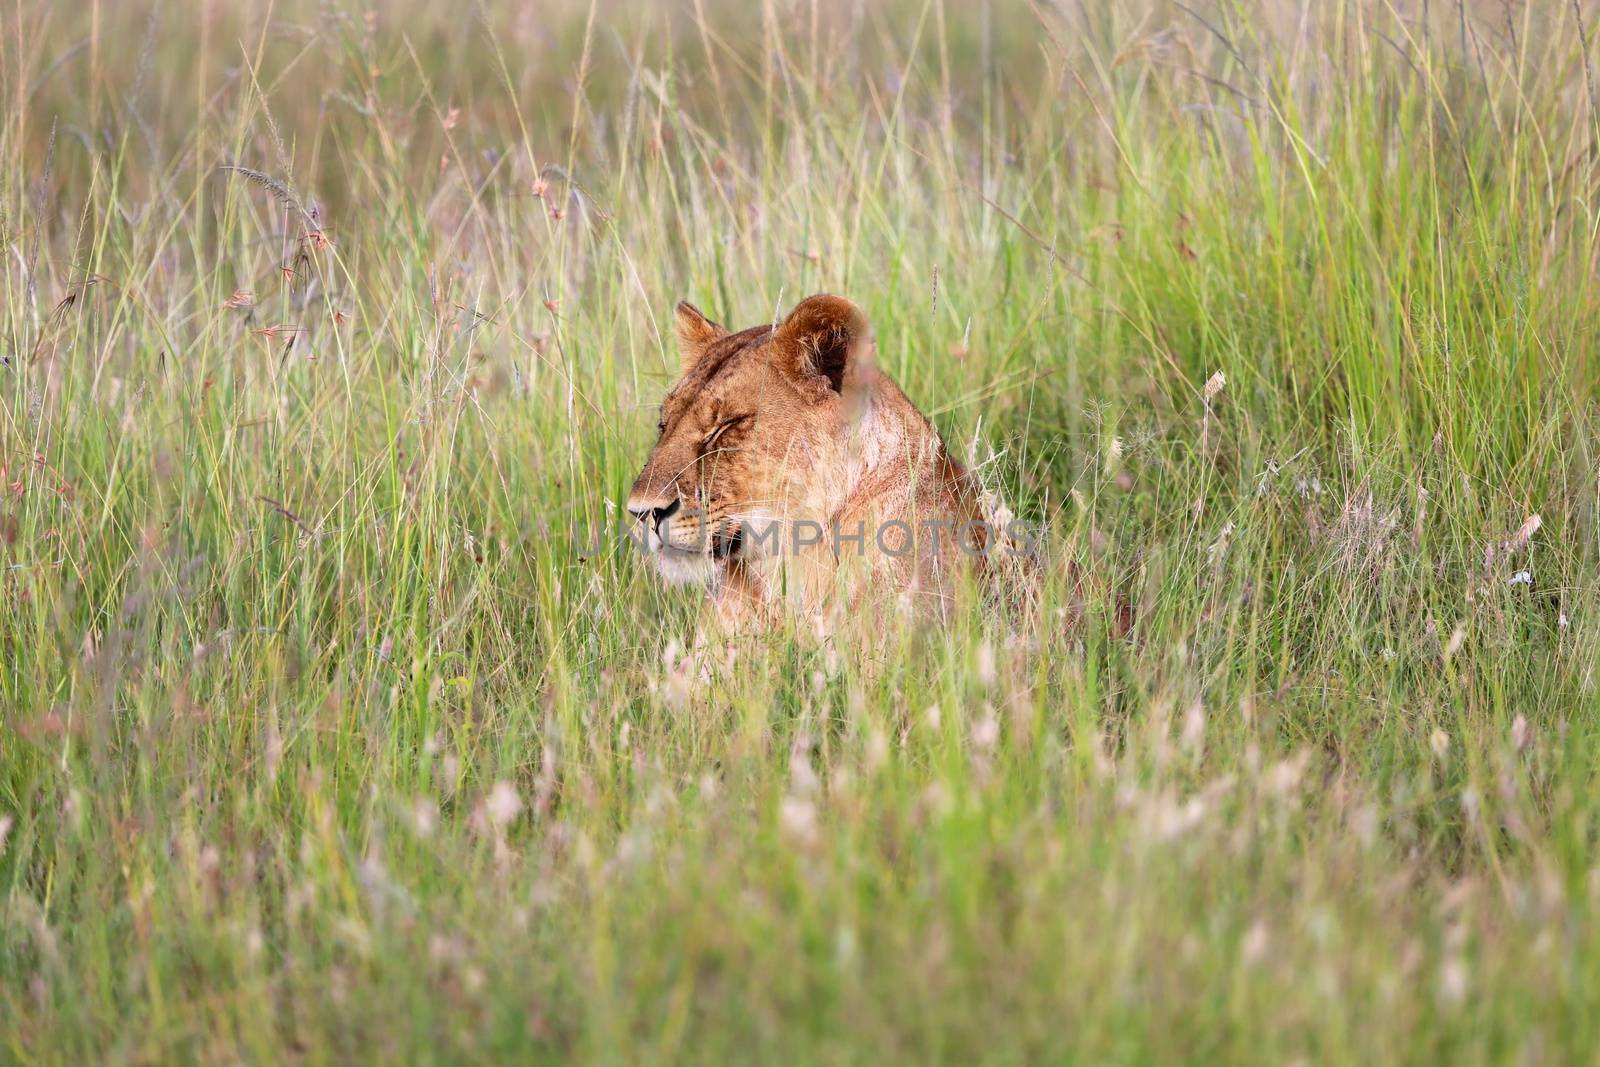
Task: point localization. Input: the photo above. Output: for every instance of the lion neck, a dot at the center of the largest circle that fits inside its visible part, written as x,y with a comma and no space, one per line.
888,444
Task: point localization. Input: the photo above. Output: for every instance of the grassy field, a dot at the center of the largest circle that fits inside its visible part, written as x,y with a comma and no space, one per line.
327,736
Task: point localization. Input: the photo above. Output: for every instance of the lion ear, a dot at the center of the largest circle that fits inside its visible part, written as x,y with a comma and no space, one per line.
830,339
695,332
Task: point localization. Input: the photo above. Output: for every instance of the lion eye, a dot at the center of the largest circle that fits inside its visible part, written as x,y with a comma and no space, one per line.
724,425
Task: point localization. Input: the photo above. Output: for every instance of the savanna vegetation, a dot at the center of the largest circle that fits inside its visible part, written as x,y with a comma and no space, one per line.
330,335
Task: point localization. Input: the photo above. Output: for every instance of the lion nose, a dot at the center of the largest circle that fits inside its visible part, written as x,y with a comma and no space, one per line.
655,512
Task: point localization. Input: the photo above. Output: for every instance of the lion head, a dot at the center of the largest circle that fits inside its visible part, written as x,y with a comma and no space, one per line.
751,435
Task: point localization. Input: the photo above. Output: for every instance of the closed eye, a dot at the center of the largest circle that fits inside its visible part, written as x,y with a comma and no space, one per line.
721,428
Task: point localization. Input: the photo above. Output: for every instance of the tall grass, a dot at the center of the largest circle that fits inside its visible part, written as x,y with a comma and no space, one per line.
329,336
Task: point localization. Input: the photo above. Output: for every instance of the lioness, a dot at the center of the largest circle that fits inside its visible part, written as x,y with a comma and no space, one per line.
790,470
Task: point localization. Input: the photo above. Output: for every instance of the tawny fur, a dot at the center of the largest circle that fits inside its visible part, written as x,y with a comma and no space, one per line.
782,428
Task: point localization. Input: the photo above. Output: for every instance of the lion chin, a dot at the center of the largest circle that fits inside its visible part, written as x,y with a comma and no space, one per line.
677,567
